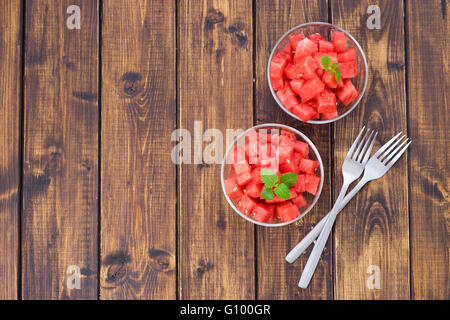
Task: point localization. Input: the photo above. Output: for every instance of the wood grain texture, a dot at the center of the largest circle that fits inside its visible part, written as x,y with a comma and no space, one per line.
373,229
61,151
215,87
138,189
10,106
428,80
278,279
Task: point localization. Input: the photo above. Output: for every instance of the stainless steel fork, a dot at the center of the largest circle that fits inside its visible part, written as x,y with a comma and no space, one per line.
375,168
352,169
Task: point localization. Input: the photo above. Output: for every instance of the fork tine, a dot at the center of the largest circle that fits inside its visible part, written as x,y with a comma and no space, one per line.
399,154
352,148
360,144
386,145
395,145
393,153
366,152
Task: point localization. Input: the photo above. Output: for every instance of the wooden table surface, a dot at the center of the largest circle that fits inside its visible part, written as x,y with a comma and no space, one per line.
86,177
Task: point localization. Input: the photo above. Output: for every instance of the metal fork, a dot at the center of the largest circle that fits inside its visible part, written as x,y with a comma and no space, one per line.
375,168
352,169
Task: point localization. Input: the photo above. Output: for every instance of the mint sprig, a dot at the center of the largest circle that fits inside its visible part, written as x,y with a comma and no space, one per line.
334,70
274,186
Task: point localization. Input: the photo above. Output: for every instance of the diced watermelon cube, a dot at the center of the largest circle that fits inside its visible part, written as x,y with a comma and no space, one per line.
287,211
325,46
348,93
299,201
289,165
326,102
237,155
278,64
241,168
308,165
277,83
256,175
312,183
329,79
288,134
262,213
291,71
287,49
311,103
348,69
302,148
339,41
297,158
253,189
287,97
245,204
311,88
232,189
307,67
244,178
316,37
284,152
286,138
296,84
271,208
305,47
319,72
270,164
292,193
347,55
300,185
295,40
329,116
304,112
275,199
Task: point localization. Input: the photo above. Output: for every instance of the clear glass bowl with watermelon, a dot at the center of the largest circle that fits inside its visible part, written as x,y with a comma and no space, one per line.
305,87
287,153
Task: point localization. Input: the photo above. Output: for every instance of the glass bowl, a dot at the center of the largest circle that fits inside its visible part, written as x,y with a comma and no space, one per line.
269,128
325,29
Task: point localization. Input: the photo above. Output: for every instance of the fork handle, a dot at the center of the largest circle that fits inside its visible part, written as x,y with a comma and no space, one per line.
313,260
315,232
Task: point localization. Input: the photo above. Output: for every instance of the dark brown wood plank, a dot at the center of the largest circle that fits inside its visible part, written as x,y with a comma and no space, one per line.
10,81
373,228
138,179
61,151
215,87
428,83
276,278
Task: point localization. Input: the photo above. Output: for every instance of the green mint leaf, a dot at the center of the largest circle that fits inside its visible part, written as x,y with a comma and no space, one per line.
267,193
337,75
334,65
269,178
282,191
325,62
289,179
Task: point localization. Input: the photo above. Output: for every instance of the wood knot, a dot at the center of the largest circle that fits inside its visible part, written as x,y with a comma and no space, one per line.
131,83
116,273
213,17
203,267
221,223
84,95
238,36
161,260
117,269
